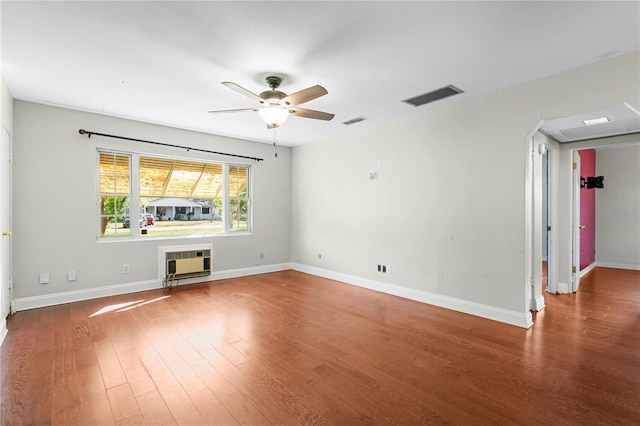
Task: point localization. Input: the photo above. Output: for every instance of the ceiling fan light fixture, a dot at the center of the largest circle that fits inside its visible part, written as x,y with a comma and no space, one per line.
273,115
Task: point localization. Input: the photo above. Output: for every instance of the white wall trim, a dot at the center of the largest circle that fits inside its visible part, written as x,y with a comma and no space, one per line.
33,302
24,303
518,319
588,269
618,266
538,303
244,272
3,330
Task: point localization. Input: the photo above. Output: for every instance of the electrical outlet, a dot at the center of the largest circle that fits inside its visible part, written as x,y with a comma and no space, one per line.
319,255
261,255
125,268
71,276
44,278
384,269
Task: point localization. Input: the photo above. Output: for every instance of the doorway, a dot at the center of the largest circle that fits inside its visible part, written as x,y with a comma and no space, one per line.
542,265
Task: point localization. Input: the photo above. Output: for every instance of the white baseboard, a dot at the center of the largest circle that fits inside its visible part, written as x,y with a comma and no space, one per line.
588,269
24,303
539,304
3,330
33,302
618,265
245,272
519,319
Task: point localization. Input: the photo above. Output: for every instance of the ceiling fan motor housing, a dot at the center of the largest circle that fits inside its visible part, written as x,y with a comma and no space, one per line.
272,96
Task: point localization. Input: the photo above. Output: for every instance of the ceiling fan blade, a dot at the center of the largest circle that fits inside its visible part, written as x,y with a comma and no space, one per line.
304,95
243,91
310,113
222,111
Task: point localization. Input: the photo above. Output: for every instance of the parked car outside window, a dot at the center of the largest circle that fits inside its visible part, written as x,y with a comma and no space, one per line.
127,222
151,220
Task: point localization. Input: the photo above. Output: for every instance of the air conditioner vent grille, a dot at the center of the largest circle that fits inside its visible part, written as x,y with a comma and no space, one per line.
353,121
435,95
188,254
187,264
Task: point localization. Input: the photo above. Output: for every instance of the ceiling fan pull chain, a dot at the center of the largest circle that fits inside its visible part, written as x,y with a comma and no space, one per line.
275,141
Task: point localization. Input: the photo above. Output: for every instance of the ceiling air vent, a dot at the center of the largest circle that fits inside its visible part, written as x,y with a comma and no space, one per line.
436,95
353,121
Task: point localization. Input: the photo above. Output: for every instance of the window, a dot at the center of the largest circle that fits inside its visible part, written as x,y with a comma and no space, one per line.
115,193
173,197
238,198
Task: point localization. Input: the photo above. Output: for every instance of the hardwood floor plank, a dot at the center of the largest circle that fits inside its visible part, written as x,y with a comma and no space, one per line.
65,390
212,408
154,409
123,403
112,372
18,370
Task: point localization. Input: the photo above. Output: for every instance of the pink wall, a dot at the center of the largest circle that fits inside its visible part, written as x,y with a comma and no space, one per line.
587,210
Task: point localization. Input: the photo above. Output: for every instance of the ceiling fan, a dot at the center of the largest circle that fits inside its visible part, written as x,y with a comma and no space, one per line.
276,105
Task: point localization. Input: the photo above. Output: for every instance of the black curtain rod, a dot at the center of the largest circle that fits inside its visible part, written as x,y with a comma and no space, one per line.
87,132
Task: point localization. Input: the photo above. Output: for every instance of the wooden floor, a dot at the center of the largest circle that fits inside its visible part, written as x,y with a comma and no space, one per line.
292,349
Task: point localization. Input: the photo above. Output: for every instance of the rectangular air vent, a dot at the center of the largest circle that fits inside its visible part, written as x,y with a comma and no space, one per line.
353,121
436,95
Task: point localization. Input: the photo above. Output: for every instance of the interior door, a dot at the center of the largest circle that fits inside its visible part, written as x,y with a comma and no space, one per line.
587,209
576,228
5,224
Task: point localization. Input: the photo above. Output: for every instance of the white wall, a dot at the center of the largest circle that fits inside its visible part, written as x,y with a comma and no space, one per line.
618,207
55,212
448,209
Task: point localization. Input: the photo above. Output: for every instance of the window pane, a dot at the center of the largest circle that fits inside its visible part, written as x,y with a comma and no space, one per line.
238,198
184,197
113,212
238,181
115,190
239,215
114,173
163,178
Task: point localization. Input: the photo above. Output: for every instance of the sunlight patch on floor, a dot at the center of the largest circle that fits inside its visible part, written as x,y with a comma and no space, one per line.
121,307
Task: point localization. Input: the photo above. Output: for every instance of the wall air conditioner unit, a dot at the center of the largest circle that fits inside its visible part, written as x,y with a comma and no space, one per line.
184,262
188,264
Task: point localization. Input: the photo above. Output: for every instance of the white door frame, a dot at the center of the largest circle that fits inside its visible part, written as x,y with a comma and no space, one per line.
533,219
6,287
550,227
576,225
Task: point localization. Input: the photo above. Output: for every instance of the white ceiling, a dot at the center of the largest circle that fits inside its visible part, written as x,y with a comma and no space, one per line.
163,62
